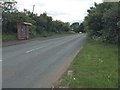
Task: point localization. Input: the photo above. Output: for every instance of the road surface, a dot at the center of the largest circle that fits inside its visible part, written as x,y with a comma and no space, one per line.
38,64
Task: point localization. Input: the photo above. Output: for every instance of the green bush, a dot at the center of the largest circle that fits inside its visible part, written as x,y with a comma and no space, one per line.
103,22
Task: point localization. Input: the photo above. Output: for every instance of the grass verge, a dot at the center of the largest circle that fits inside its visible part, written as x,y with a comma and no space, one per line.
95,66
9,37
13,36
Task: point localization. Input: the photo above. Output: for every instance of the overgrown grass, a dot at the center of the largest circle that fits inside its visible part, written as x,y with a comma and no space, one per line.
95,66
9,37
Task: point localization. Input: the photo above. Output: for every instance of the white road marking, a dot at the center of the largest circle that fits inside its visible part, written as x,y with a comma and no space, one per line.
29,51
0,60
33,50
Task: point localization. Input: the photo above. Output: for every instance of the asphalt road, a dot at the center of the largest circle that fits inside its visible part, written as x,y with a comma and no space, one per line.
38,64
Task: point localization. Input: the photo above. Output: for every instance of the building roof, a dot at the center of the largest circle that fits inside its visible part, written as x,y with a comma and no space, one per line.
25,23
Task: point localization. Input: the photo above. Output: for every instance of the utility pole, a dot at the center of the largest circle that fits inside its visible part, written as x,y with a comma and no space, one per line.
33,9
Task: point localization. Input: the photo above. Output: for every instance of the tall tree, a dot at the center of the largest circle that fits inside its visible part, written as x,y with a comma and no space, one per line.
110,19
9,6
102,21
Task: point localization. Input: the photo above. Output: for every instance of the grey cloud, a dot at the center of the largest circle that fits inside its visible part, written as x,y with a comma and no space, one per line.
57,13
40,4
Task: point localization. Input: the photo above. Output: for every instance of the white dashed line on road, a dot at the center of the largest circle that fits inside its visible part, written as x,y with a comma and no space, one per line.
33,50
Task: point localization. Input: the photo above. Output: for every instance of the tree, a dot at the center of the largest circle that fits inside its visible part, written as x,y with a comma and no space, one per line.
40,24
103,21
43,23
81,28
10,20
9,6
93,22
75,26
111,29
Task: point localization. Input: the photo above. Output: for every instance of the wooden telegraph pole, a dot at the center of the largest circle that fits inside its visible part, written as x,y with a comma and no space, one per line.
33,9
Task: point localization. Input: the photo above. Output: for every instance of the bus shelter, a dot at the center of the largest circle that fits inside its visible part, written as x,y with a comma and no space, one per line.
23,30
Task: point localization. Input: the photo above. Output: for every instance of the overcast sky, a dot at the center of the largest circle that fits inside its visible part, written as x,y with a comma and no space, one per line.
64,10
